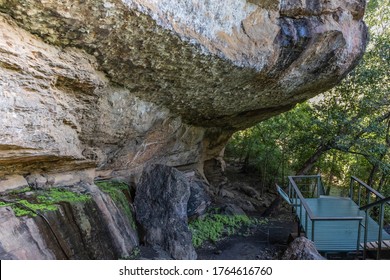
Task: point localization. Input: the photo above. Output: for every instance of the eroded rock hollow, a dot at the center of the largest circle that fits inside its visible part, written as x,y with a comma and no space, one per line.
103,88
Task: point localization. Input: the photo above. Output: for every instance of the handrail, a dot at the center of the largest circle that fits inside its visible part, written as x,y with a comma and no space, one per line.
308,210
366,208
341,218
310,213
319,186
283,194
382,201
300,203
368,187
305,176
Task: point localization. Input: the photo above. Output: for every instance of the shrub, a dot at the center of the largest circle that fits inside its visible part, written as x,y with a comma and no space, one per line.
213,226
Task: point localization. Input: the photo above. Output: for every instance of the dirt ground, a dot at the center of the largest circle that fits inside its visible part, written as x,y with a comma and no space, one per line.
266,242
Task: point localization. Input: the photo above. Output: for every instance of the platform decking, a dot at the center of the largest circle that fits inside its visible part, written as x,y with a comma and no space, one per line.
337,235
339,224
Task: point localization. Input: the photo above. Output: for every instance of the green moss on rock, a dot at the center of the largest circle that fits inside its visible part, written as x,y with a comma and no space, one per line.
57,195
40,201
116,190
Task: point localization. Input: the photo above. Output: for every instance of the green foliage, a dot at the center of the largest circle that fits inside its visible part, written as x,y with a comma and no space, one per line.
42,201
111,187
4,204
213,226
116,191
57,195
19,212
387,214
275,147
24,211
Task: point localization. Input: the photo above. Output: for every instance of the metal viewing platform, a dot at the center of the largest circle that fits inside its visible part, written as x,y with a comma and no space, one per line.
339,224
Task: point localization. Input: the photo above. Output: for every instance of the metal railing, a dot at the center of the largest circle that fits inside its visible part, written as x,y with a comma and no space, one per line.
365,194
362,190
312,183
299,202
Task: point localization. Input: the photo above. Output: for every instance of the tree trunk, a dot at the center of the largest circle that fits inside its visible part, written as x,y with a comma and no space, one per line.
374,170
375,167
382,182
332,168
309,163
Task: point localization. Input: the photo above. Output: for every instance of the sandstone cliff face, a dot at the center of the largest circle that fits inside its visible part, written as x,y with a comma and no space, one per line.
59,113
102,88
118,84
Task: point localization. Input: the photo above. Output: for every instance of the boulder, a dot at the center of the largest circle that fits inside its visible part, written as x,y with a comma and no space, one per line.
232,209
302,249
92,229
199,198
161,208
249,191
225,193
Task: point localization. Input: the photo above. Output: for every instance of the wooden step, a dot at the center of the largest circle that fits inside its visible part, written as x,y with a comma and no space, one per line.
373,245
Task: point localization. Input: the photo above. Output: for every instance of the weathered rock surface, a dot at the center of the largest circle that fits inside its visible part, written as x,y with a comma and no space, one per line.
199,198
96,229
119,84
161,209
215,63
302,249
59,114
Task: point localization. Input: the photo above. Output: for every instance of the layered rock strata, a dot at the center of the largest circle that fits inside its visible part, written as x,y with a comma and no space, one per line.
121,83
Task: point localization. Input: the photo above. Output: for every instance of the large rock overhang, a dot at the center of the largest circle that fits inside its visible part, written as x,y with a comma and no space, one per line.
226,64
116,85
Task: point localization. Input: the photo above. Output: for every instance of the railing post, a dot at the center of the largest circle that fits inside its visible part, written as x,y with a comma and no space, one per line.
324,192
365,234
312,230
368,198
306,223
359,194
300,210
381,218
318,185
358,238
296,201
351,189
